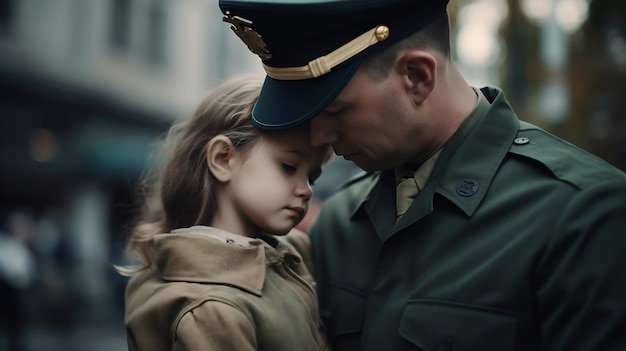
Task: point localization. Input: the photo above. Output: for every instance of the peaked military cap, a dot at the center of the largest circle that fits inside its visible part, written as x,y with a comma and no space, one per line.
310,49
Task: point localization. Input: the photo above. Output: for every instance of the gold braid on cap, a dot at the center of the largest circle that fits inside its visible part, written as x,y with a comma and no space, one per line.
324,64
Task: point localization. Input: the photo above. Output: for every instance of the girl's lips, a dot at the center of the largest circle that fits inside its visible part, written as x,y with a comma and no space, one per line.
296,211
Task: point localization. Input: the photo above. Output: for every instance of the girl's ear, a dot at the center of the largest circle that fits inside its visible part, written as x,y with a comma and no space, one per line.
219,157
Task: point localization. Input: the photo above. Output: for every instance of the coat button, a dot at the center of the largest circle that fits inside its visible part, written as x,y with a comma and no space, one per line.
521,141
467,187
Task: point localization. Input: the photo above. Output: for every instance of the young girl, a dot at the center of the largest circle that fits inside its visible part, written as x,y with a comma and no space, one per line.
219,266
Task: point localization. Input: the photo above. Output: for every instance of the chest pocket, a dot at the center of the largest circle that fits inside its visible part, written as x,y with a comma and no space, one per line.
441,326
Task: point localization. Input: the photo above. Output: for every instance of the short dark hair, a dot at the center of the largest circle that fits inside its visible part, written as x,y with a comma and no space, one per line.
435,36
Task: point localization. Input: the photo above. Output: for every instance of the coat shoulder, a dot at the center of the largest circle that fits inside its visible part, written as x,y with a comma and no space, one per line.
566,161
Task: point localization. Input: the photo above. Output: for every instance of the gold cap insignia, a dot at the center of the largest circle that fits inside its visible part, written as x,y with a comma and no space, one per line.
250,37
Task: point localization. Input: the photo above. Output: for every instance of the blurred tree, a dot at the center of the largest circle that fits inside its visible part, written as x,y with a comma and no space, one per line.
599,57
586,85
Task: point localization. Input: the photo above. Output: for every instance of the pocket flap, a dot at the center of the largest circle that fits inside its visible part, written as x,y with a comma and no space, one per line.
439,325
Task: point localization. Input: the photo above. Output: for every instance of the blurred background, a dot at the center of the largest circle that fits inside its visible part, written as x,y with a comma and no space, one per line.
86,87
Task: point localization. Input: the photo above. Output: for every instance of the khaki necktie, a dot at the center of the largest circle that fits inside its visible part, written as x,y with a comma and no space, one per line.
406,191
412,182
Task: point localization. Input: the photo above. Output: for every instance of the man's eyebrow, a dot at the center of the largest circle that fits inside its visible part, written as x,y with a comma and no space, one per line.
337,103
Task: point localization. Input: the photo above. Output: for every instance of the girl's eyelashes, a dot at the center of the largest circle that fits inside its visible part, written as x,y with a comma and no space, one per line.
292,169
288,168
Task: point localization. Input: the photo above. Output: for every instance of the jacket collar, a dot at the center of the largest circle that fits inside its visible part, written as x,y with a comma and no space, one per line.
473,155
467,164
208,255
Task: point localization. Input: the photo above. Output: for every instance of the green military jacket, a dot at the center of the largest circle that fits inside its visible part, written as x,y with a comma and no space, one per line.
516,242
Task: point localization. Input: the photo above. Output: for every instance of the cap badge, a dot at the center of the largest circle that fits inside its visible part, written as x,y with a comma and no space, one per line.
250,37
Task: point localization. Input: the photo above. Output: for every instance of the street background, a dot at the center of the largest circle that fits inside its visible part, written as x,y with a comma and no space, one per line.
87,87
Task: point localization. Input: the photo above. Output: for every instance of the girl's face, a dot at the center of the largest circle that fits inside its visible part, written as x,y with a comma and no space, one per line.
271,188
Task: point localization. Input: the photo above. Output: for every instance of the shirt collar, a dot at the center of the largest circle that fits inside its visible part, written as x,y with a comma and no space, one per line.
421,172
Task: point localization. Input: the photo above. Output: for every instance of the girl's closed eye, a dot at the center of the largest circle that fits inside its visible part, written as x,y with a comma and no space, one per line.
289,169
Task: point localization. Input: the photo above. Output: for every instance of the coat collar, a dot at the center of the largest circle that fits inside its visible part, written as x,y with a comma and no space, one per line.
212,256
466,166
473,155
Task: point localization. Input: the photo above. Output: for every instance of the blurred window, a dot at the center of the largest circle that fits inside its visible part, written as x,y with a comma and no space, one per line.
139,30
120,26
6,14
157,32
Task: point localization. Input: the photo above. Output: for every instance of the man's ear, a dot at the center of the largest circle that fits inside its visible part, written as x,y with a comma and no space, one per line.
419,69
220,155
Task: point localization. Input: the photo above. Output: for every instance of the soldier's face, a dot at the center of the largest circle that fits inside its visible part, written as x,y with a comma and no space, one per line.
371,123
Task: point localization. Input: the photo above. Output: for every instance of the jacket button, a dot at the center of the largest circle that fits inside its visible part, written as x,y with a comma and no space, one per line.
521,141
467,187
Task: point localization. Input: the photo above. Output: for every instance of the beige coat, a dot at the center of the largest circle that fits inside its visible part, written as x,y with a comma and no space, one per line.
212,294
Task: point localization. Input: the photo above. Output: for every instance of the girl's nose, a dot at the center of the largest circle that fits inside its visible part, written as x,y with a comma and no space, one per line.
304,190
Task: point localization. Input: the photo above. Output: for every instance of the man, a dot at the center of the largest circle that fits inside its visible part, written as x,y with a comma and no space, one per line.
513,238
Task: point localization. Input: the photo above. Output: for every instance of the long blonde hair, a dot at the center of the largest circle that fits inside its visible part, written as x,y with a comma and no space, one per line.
181,193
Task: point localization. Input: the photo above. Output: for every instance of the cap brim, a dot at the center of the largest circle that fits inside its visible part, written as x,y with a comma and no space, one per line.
285,104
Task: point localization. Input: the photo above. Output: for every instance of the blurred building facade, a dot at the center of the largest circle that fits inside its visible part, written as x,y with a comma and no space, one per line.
87,85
